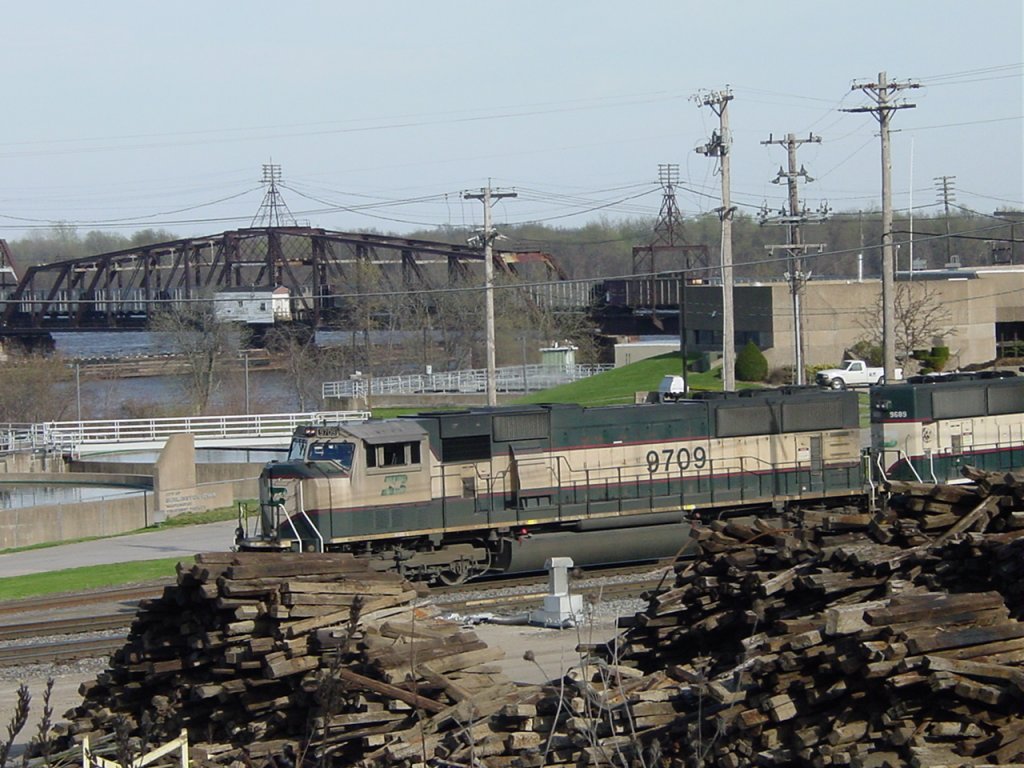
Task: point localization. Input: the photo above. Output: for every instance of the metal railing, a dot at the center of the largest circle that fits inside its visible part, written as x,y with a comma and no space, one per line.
72,436
17,437
514,378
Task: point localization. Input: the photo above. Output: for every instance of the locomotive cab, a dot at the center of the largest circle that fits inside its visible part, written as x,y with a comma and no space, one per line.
332,473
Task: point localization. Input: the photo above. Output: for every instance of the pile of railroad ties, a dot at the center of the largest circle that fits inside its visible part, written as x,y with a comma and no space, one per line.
892,639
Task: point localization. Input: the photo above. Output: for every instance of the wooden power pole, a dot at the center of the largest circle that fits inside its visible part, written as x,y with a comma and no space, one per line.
719,146
488,197
881,93
794,245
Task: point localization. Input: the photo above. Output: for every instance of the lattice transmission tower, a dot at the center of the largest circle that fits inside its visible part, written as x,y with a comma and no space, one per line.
273,211
668,235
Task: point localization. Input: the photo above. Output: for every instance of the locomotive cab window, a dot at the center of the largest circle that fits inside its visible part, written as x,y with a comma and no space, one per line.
340,453
297,451
387,455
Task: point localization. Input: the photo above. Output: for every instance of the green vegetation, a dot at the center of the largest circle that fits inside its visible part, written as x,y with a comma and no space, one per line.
620,385
211,516
751,364
932,360
87,577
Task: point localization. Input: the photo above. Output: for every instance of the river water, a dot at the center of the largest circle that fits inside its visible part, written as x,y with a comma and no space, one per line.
155,396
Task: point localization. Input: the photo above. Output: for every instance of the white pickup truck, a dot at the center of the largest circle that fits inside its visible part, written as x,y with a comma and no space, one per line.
854,373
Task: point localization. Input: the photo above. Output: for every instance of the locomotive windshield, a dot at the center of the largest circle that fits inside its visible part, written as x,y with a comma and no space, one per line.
340,453
304,449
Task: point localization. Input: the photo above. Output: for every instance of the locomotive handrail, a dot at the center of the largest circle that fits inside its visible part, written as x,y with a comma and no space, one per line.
302,511
291,523
869,476
900,454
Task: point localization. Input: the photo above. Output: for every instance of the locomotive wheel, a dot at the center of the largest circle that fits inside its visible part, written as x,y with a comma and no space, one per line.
453,577
461,570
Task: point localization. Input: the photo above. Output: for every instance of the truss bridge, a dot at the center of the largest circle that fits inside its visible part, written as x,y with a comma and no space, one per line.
323,273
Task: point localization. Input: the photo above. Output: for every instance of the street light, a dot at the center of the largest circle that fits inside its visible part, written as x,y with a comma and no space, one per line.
245,355
526,383
78,388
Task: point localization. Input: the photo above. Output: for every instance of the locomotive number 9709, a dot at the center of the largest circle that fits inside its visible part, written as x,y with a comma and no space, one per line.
672,458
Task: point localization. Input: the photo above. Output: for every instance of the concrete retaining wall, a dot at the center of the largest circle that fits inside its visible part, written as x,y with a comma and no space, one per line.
50,523
77,520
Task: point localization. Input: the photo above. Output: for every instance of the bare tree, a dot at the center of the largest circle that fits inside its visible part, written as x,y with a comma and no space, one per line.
30,389
367,304
415,316
523,317
204,342
295,346
920,319
459,320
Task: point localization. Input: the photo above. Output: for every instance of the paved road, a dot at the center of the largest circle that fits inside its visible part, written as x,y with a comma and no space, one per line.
183,542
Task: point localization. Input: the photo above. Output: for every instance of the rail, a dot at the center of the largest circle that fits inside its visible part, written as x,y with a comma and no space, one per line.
72,436
515,378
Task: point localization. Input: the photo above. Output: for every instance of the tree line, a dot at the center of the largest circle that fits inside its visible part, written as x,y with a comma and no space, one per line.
603,247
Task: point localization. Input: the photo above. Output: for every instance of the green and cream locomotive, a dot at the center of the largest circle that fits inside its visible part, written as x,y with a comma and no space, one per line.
929,427
452,495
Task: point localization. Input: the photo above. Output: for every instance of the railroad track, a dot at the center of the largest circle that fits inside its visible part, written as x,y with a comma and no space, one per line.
68,626
129,594
59,651
37,641
475,599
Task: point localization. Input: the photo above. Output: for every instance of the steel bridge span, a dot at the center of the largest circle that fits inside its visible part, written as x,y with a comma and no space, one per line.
321,269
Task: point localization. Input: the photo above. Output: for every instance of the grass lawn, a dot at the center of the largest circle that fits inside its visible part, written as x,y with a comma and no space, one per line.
107,575
620,385
87,577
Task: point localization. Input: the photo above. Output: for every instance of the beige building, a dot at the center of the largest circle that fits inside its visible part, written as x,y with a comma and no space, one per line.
981,308
978,313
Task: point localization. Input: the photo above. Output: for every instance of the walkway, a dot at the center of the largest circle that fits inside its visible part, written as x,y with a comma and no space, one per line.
184,542
81,438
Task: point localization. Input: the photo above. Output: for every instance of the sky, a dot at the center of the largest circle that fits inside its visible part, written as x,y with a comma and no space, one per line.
121,116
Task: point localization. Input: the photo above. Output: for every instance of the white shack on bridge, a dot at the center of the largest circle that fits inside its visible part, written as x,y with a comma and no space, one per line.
252,304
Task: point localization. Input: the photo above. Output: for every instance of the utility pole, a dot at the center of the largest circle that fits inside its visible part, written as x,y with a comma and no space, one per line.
881,93
944,186
719,146
794,245
1014,218
489,235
